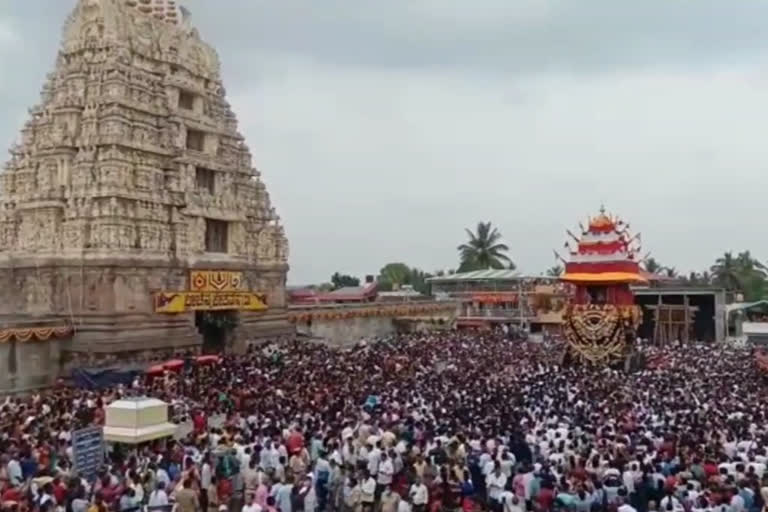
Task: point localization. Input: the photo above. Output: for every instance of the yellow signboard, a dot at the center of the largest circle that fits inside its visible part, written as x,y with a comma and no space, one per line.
215,281
179,302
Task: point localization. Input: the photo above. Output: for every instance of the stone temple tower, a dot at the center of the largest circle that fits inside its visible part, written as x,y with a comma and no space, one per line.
130,212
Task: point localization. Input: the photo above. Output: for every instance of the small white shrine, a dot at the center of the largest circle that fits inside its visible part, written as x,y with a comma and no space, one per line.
137,420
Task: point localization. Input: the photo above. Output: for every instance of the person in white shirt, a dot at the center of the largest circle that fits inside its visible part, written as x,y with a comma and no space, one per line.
206,472
162,476
495,483
374,457
386,470
737,503
158,498
758,468
510,502
268,461
626,507
252,506
629,477
348,452
368,493
507,461
670,499
418,495
15,474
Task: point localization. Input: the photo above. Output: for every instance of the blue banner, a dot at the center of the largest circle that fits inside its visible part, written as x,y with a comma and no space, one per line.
88,448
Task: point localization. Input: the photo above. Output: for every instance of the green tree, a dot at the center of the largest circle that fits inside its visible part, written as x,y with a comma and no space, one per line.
698,279
726,272
752,276
483,250
749,265
555,271
670,272
419,281
652,266
341,280
393,276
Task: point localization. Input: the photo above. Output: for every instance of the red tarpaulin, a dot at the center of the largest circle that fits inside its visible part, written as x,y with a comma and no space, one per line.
173,364
762,361
209,359
155,370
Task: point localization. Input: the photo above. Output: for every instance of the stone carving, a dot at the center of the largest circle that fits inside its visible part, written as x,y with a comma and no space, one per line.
103,176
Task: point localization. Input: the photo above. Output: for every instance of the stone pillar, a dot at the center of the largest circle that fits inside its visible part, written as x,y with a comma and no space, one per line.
721,322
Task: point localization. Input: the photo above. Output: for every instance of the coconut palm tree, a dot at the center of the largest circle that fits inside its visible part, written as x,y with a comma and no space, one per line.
752,276
555,271
750,265
726,272
670,272
483,250
698,278
652,266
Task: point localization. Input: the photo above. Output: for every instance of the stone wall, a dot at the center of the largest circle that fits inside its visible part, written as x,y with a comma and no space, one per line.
29,365
110,308
345,325
342,333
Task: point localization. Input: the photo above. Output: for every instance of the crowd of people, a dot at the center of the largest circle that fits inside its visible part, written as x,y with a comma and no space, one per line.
413,423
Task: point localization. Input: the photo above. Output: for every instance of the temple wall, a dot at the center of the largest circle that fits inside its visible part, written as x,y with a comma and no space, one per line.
29,365
109,305
345,325
346,332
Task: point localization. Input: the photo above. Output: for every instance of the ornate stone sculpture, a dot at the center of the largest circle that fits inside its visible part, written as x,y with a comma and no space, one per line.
90,110
131,163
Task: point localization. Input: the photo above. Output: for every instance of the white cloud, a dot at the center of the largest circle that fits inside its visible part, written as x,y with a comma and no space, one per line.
8,34
369,166
384,128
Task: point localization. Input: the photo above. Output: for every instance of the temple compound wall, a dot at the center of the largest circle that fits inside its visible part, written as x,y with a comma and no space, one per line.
342,326
129,176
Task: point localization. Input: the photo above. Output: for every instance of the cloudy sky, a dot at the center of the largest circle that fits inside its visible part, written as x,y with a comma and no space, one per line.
384,128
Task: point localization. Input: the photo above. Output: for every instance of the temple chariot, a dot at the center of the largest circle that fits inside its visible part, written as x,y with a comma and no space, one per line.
601,320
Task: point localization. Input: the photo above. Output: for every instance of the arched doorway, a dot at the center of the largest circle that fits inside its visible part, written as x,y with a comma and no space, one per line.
217,328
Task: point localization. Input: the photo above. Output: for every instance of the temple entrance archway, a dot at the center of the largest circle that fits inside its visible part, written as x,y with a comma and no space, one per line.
216,328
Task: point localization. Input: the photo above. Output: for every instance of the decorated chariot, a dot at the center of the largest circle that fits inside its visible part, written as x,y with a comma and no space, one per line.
601,320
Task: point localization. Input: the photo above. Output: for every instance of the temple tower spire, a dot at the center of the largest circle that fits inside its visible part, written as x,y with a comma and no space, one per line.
130,173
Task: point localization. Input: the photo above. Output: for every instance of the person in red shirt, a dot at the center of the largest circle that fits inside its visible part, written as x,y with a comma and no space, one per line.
710,469
546,497
59,490
295,442
200,422
12,494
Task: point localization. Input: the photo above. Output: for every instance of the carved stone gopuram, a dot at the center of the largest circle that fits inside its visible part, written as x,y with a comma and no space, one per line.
128,175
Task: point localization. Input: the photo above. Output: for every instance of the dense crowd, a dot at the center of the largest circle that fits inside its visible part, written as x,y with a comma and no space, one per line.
442,421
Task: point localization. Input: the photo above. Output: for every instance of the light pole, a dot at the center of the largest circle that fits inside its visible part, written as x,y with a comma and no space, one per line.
520,302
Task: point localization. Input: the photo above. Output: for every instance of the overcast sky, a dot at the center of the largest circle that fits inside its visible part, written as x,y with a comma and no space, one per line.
384,128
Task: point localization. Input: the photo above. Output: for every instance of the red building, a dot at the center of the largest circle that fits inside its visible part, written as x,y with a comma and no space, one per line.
345,295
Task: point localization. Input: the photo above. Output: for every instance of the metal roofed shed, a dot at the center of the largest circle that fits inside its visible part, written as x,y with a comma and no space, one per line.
749,320
137,420
479,275
743,306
